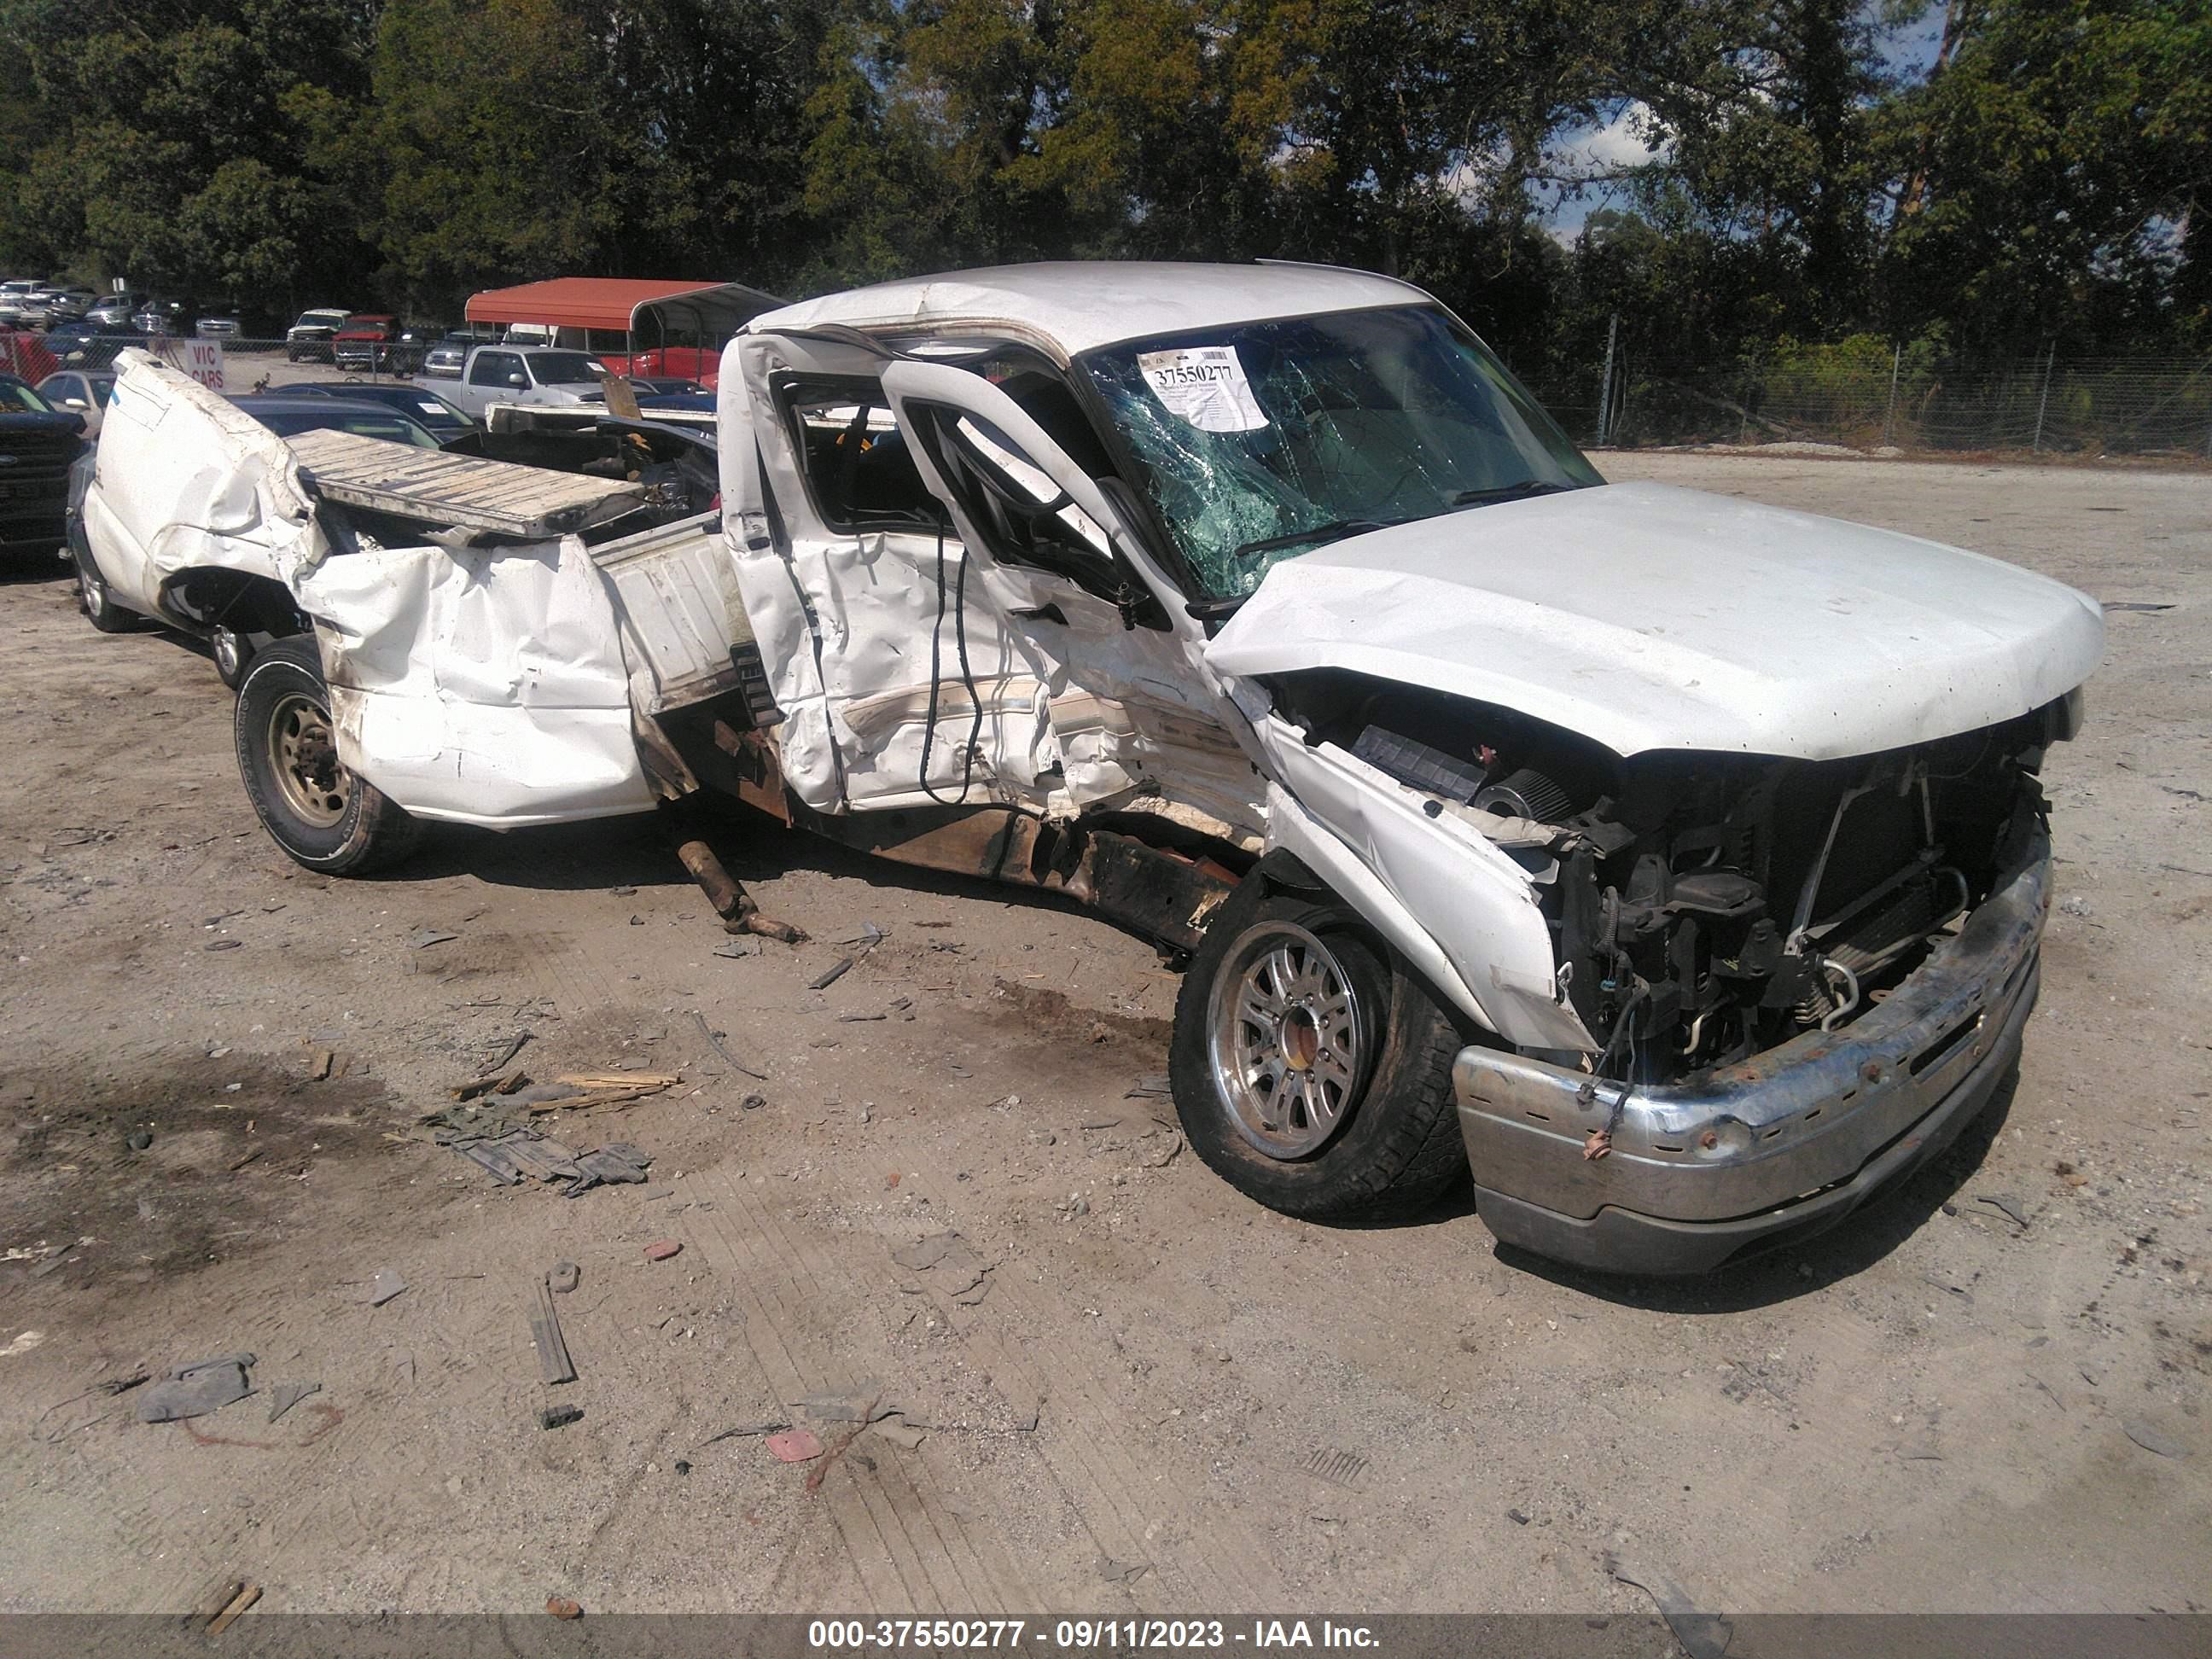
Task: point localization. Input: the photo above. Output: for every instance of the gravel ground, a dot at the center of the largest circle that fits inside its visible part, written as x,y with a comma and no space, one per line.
1988,1393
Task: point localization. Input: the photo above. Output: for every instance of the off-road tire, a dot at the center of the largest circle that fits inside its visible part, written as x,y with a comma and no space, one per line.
1396,1149
361,830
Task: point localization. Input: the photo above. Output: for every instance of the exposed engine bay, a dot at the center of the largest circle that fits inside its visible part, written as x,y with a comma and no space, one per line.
1706,907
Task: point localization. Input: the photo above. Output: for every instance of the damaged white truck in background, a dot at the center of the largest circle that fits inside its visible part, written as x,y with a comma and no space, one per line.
1677,864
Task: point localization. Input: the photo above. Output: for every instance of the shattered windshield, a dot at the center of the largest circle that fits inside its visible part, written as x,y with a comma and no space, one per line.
1263,442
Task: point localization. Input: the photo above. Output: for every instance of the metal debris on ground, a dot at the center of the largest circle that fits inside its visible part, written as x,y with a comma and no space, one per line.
507,1151
563,1277
1703,1635
831,974
194,1390
855,1407
556,1416
1121,1572
962,1272
863,938
282,1396
1155,1087
422,936
737,947
553,1365
714,1041
384,1286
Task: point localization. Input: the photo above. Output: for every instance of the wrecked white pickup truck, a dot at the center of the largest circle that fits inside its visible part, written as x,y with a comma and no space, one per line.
1677,863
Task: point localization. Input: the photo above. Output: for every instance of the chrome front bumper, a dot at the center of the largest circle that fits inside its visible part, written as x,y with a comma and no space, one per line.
1786,1142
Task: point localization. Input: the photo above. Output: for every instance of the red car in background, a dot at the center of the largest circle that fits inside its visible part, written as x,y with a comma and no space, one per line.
24,354
366,342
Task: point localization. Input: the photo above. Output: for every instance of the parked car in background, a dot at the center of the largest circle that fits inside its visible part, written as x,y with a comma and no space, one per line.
228,321
366,341
57,303
528,374
74,392
446,357
288,414
417,402
308,340
83,343
164,318
37,444
664,385
115,307
411,346
24,354
14,294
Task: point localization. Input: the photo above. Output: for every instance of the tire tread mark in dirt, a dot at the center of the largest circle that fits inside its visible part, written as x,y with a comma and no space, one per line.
867,1489
1223,1571
758,1273
820,1295
858,1289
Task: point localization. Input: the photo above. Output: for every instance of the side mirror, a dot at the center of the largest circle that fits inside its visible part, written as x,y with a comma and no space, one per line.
518,380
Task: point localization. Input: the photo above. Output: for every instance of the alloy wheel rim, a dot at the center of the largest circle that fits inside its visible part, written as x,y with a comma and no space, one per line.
1288,1039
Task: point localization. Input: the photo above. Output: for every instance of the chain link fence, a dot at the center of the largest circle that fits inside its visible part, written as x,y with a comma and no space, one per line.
1901,398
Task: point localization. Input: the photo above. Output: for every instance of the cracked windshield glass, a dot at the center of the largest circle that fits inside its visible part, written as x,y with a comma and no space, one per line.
1262,442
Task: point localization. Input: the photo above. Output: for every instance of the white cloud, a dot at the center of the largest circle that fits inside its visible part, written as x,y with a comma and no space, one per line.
1623,142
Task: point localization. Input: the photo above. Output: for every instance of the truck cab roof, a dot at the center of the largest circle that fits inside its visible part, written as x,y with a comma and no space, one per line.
1079,306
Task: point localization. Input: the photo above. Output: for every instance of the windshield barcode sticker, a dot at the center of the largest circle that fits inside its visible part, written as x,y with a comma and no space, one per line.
1206,386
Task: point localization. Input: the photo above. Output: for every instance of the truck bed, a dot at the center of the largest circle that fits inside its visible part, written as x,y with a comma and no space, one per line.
527,502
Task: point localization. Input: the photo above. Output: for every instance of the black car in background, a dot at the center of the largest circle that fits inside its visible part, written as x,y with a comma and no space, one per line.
288,416
418,403
37,444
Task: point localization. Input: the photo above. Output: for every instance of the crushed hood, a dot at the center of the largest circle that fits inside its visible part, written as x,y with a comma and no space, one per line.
1646,617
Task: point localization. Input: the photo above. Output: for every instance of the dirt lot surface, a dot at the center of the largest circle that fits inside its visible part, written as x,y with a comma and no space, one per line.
1989,1393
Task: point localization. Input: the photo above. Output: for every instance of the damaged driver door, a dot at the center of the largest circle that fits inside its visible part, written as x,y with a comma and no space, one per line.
1126,708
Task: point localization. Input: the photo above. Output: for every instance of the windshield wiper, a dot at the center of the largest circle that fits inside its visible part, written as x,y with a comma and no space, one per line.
1512,492
1334,531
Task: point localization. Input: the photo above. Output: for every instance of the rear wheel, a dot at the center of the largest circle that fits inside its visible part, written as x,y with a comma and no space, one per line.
232,651
1312,1070
317,811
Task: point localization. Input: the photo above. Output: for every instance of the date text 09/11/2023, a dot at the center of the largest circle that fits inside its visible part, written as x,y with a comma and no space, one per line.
1085,1634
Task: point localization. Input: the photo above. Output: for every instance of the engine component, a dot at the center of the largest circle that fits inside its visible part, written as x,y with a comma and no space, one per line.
1526,794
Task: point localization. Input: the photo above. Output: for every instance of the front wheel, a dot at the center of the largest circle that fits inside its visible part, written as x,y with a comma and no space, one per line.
1311,1068
315,808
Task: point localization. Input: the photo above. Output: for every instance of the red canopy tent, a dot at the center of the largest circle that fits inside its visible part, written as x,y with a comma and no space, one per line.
668,328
